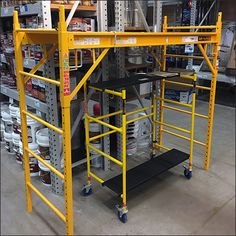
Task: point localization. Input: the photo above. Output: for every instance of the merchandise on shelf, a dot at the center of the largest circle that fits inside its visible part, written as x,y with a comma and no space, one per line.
45,173
15,141
34,165
42,140
2,128
8,140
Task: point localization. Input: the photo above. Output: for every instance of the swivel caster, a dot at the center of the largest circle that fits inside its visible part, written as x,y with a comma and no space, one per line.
122,213
188,173
86,190
122,218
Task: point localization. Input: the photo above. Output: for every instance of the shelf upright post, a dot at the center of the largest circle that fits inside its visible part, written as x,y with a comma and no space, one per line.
65,104
120,66
103,27
22,100
213,92
162,92
51,100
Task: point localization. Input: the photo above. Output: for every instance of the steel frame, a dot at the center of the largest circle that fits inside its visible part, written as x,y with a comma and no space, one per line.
79,40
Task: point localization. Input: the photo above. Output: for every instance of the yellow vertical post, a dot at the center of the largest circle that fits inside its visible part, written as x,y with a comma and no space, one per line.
124,152
161,113
162,95
65,104
213,92
87,132
20,85
192,123
154,117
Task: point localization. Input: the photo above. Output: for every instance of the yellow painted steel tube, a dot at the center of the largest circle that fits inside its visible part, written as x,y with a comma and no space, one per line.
104,123
174,127
107,91
102,135
188,85
161,146
53,169
46,56
139,118
184,111
94,55
185,56
87,148
203,87
58,212
186,77
175,134
161,115
124,161
97,178
206,58
109,115
43,122
174,102
192,27
88,74
192,126
183,137
154,111
139,110
22,103
106,155
40,78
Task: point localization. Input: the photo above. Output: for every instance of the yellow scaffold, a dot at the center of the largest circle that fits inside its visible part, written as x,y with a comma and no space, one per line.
65,41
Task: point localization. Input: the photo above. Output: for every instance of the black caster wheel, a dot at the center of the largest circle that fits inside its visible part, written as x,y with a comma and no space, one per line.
86,190
123,217
188,173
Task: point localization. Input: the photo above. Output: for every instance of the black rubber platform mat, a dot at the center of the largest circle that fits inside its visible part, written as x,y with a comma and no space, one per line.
144,172
132,80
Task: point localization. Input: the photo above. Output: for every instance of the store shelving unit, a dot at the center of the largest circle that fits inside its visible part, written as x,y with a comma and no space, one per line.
104,41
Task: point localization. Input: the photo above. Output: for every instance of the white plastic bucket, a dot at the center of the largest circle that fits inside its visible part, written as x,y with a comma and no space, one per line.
2,128
97,161
34,167
32,125
42,140
14,109
45,173
15,141
144,133
6,118
8,139
131,107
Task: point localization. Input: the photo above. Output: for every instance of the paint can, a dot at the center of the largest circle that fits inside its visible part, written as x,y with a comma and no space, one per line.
42,140
45,173
8,140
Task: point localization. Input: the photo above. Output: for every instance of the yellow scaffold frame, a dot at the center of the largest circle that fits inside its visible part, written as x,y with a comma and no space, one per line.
63,40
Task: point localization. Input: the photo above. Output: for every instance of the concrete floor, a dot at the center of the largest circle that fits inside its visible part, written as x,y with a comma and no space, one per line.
169,204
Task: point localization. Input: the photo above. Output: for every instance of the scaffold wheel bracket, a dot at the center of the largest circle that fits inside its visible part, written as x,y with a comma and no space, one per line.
122,213
188,173
86,190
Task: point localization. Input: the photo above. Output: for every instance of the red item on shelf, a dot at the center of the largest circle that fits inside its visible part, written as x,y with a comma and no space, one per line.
97,109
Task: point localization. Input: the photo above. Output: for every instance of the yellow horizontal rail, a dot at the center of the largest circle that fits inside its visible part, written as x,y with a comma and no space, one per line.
183,137
174,102
43,122
58,212
102,135
185,56
174,127
37,31
139,118
40,78
156,145
105,124
96,177
175,134
184,111
139,110
192,27
106,155
109,115
187,85
187,77
58,173
113,92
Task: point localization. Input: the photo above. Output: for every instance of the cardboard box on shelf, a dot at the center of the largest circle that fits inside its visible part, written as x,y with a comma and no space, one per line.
179,93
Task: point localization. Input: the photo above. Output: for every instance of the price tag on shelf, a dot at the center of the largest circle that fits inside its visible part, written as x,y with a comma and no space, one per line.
37,104
4,90
38,113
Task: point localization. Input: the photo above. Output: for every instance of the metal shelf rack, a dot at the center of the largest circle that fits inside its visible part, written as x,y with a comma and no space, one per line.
66,41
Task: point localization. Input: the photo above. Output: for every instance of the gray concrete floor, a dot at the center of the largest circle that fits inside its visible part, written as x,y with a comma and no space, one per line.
169,204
